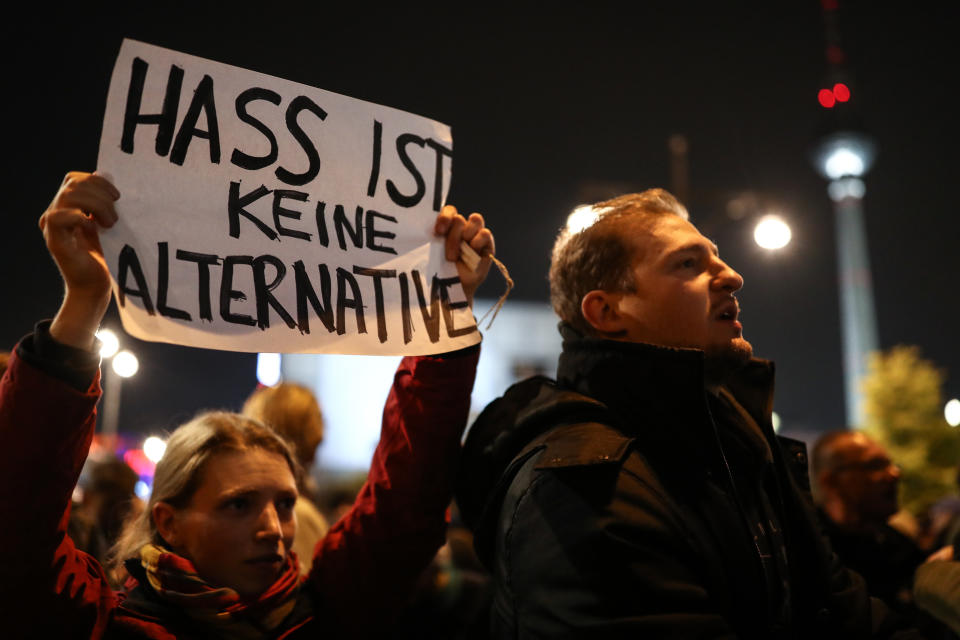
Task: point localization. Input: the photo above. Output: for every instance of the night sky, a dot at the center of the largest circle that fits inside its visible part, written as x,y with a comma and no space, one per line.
549,109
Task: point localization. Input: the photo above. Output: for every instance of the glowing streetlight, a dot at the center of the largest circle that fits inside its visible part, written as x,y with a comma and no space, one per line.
142,489
154,448
125,364
109,343
952,412
268,368
772,232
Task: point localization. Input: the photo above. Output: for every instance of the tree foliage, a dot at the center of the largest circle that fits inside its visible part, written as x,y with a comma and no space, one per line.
904,412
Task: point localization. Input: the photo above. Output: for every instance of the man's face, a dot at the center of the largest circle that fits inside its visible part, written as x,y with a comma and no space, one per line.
866,480
239,525
684,294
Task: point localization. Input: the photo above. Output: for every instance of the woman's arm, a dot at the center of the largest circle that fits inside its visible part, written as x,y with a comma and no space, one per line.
367,565
47,417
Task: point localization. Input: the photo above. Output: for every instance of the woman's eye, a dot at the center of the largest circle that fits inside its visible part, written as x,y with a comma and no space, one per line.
287,503
689,263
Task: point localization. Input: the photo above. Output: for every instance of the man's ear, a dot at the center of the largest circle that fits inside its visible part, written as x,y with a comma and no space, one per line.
599,309
165,519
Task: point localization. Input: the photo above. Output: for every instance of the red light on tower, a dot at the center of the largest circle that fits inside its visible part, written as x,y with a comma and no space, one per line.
841,92
826,98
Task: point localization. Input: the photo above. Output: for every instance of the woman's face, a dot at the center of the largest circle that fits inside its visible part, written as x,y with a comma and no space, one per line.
238,526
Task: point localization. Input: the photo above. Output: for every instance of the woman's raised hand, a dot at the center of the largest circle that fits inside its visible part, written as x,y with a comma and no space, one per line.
70,229
478,237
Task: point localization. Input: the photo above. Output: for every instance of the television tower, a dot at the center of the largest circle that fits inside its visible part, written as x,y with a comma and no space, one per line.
843,154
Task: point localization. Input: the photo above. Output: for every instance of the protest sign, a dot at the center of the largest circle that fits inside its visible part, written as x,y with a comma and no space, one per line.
258,214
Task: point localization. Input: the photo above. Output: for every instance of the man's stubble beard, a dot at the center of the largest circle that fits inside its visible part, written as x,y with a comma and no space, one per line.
720,362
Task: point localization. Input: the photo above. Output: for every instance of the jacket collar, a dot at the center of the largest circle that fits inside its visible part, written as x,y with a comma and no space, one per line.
658,396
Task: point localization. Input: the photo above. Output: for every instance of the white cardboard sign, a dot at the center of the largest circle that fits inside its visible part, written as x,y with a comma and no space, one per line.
258,214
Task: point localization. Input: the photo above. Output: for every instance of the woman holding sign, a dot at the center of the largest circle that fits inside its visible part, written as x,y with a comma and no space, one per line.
210,556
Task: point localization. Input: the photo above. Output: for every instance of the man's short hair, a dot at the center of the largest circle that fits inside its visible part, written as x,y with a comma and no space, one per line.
600,256
826,456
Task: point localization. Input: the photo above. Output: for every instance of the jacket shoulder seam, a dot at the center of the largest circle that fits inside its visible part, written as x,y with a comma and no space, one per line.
583,444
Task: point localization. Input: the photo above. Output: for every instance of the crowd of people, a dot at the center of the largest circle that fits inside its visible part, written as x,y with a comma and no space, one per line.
643,493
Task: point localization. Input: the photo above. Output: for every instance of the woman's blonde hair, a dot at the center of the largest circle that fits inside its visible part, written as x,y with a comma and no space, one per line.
178,473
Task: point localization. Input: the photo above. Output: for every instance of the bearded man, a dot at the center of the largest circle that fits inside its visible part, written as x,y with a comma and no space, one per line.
644,493
856,486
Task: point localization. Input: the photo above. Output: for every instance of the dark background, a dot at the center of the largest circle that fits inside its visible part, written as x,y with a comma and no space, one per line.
547,108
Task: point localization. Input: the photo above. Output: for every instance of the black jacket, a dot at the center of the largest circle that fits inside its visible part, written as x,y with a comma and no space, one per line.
620,516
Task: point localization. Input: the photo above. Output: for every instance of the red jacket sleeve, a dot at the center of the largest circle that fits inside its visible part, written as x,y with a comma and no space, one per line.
366,566
46,427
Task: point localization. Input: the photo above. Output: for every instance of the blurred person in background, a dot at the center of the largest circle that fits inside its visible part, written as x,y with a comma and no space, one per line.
944,516
855,486
293,411
107,498
936,587
453,597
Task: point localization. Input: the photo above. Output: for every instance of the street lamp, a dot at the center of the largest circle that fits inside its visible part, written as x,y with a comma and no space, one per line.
109,344
269,367
772,232
123,365
154,448
843,158
951,412
775,421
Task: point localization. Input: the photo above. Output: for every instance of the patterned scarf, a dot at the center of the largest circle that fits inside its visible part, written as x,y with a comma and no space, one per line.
221,612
